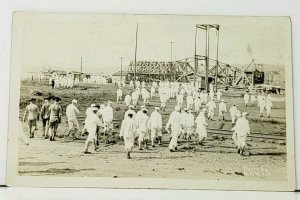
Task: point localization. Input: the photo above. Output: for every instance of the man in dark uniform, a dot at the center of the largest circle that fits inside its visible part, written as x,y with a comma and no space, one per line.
32,115
55,117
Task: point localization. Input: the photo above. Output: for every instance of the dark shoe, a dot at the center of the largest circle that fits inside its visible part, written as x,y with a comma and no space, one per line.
140,148
153,146
97,148
171,150
87,152
176,148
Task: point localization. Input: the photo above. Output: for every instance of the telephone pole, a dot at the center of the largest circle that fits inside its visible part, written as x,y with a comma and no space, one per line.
174,71
136,41
121,69
81,64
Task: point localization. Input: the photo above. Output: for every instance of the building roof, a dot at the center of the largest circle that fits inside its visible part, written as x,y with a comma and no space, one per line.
124,73
75,72
59,72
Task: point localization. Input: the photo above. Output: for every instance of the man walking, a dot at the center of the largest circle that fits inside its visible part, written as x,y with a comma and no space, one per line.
242,129
45,116
222,110
91,122
55,117
127,132
32,115
175,124
72,112
201,126
155,126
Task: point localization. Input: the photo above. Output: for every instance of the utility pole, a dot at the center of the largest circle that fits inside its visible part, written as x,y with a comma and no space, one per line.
81,64
136,42
174,71
121,70
217,61
207,59
196,60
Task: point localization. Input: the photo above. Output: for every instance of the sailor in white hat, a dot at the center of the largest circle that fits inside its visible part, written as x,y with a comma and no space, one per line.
155,126
91,123
72,112
242,129
175,124
222,110
119,95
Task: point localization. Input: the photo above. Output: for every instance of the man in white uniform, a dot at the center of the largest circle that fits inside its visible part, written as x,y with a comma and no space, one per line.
152,92
269,106
127,132
233,110
190,122
211,109
246,99
108,116
189,102
155,126
175,124
119,95
261,105
91,123
219,95
252,99
127,99
201,127
142,123
222,110
72,112
198,103
242,129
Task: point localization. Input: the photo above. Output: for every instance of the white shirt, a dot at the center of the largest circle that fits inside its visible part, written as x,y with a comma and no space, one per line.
155,120
88,110
142,122
201,120
222,107
127,98
211,105
174,120
128,128
119,92
72,112
233,110
91,123
242,126
190,120
189,99
108,114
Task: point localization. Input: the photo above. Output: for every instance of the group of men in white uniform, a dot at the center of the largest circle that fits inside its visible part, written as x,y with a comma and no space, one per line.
143,126
63,81
263,102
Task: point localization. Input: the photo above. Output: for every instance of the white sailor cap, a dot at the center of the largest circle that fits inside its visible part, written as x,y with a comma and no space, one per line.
244,114
102,106
93,105
156,108
74,101
131,106
177,108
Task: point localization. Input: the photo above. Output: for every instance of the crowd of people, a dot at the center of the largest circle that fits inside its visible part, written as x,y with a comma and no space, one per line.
142,127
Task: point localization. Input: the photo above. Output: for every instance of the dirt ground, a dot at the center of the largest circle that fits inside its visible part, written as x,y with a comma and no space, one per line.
216,159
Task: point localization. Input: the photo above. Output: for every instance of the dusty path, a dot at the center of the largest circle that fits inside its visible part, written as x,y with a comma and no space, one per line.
217,159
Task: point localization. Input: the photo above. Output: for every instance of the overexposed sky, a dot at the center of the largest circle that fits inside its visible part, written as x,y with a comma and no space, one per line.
59,40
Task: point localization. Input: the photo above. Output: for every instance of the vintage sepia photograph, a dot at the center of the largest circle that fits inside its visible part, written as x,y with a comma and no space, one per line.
151,101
